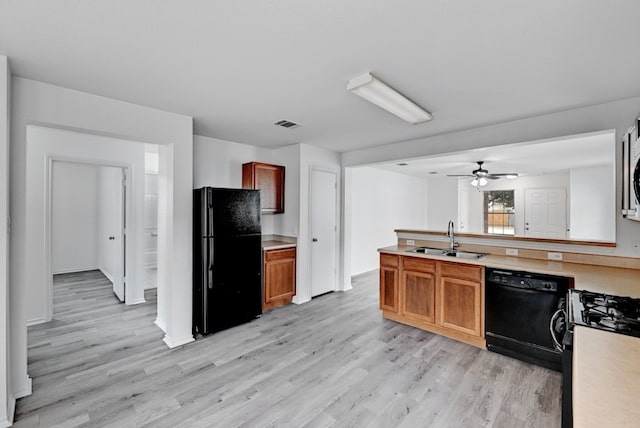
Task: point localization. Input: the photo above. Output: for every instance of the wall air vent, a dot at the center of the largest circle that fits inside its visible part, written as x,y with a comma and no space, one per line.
287,124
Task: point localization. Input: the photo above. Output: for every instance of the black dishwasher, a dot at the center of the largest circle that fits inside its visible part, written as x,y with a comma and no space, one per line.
521,311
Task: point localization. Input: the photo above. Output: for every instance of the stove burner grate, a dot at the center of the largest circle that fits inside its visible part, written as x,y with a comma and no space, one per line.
616,313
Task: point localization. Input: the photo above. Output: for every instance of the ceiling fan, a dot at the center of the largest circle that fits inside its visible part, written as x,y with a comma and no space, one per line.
481,175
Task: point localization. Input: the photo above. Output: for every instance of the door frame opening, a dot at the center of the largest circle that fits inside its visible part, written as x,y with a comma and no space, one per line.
48,236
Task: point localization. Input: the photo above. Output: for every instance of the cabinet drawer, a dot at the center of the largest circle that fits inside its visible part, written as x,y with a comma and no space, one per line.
418,265
455,270
388,260
287,253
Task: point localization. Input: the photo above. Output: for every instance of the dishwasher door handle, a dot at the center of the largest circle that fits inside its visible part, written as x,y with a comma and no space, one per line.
554,318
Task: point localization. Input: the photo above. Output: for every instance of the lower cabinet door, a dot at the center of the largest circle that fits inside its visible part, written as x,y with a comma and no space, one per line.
279,277
388,288
460,305
419,296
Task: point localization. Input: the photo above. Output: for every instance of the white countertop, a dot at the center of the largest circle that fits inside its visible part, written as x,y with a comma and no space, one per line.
602,279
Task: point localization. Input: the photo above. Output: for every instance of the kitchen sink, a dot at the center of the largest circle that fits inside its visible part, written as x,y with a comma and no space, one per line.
464,255
448,253
430,251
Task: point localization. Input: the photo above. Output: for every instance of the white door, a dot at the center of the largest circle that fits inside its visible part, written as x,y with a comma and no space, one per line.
323,231
117,227
545,213
112,217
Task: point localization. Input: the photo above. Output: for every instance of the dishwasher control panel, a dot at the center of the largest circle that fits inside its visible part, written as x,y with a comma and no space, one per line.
523,280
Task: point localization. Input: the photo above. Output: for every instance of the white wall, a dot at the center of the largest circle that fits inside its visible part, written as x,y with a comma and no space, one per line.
46,143
382,201
109,220
74,217
310,157
442,204
475,225
592,205
35,102
618,115
218,163
7,400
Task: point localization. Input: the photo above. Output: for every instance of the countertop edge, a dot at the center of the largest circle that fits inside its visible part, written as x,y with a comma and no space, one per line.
277,245
602,279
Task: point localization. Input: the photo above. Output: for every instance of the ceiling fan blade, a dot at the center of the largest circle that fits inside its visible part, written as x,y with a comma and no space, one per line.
492,177
460,175
505,174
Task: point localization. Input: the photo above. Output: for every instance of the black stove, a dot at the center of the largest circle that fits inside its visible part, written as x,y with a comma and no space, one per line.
605,312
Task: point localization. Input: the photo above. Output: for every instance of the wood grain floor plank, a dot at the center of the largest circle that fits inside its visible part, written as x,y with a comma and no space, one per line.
333,362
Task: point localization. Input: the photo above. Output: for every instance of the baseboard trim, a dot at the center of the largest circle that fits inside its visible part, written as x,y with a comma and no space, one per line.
299,301
171,343
84,269
107,274
347,287
35,321
136,301
11,409
25,391
161,325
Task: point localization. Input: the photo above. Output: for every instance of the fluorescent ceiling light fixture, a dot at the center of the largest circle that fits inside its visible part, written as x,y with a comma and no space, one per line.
385,97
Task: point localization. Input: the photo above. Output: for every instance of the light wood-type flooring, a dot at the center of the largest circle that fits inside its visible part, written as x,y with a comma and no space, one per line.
331,362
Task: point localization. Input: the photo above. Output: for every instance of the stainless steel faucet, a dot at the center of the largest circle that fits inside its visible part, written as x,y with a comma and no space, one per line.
450,233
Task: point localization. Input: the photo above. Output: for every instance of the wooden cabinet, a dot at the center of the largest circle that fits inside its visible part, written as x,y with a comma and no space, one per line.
419,296
389,285
279,277
442,297
460,290
270,180
418,289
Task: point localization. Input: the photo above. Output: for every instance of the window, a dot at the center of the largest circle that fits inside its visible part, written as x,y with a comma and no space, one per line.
499,212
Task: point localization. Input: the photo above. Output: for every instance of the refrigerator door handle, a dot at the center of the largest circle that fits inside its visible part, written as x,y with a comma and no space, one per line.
210,275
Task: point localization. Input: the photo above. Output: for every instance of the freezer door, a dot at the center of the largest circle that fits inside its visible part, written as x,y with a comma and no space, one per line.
234,212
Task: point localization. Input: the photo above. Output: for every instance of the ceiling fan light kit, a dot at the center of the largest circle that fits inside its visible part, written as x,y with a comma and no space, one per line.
481,175
387,98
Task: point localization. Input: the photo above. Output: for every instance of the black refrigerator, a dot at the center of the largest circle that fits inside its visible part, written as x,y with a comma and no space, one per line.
227,258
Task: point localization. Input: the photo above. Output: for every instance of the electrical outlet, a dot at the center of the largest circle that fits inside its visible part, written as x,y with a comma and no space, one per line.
512,251
554,256
635,247
411,242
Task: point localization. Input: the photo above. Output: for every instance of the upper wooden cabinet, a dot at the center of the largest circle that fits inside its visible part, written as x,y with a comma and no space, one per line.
270,180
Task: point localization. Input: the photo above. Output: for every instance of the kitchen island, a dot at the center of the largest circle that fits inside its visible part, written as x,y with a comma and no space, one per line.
606,368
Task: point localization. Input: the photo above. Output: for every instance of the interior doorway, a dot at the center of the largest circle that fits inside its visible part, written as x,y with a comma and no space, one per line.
88,222
151,190
324,230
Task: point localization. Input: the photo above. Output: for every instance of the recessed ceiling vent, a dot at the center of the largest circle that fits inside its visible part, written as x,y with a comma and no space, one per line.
287,124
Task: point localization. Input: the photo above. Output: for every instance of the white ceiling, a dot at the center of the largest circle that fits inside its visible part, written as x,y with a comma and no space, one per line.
532,158
238,66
